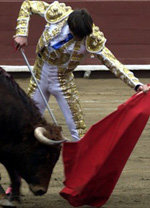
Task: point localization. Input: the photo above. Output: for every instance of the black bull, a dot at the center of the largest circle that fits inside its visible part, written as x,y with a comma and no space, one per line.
21,150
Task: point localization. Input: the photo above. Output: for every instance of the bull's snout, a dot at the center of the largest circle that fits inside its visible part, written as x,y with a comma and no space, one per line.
38,190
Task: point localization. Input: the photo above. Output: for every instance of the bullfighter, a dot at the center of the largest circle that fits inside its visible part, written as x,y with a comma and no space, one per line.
68,36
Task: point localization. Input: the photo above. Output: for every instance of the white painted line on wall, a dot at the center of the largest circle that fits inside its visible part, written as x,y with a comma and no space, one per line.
79,68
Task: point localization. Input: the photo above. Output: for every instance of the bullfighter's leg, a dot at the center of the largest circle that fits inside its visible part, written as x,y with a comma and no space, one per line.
68,100
64,89
41,76
62,86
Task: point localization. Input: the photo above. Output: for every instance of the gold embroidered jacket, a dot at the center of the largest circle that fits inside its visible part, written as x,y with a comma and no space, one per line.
57,13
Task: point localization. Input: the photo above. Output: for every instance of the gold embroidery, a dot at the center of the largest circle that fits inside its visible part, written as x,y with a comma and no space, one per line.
28,8
22,31
46,37
37,72
22,23
75,58
57,12
96,41
70,92
118,68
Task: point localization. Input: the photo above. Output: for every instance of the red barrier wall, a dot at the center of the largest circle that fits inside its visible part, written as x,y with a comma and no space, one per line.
124,23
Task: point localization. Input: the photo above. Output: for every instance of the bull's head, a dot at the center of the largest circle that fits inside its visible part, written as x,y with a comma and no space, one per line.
43,136
39,158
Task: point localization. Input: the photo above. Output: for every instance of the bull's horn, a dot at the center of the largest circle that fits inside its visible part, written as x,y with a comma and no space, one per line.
39,134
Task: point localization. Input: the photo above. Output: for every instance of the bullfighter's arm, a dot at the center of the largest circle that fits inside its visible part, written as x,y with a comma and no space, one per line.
96,45
117,68
27,9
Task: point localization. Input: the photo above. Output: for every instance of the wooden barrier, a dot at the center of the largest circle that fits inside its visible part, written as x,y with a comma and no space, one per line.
124,23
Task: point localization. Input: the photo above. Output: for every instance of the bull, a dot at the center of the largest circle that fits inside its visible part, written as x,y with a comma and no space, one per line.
29,145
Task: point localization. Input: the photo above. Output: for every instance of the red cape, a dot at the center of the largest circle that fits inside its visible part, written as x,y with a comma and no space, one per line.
93,165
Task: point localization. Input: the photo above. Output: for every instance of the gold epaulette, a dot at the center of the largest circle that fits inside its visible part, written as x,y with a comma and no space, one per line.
96,41
57,12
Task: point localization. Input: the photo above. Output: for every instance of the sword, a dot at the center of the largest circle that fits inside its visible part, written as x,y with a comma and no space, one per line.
43,97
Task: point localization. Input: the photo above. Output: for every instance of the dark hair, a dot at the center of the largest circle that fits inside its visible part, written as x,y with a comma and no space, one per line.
80,23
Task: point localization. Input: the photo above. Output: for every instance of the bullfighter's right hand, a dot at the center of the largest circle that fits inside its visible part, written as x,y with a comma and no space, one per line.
20,42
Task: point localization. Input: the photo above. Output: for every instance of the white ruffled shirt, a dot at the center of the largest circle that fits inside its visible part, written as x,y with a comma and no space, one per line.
63,35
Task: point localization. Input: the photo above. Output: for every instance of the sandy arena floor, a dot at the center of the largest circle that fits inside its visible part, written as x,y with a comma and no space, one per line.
99,97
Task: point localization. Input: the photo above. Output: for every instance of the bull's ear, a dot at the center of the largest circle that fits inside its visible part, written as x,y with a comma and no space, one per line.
40,133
